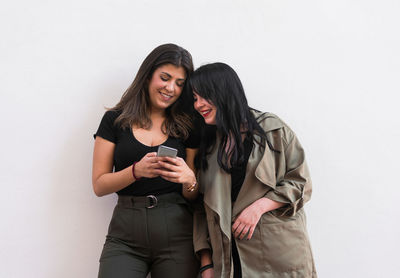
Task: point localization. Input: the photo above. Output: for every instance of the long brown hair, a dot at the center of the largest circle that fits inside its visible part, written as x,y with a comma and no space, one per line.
135,104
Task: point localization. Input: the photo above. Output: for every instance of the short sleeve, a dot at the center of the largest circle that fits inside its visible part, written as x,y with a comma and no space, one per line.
107,128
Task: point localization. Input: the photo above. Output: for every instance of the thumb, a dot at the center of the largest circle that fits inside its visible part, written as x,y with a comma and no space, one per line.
152,154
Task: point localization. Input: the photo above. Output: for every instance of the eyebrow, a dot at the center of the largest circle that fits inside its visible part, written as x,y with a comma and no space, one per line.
169,75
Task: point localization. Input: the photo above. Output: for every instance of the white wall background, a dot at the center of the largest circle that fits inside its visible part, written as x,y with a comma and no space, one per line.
330,69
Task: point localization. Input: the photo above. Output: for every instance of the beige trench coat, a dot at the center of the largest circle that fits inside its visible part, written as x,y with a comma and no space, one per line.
280,246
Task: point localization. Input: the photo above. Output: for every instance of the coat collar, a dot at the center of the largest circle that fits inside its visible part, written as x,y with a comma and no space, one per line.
267,121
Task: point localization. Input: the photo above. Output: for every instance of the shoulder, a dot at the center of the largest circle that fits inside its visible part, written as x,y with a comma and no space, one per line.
107,128
112,114
109,118
270,122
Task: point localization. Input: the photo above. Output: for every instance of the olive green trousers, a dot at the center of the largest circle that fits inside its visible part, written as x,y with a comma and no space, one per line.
150,234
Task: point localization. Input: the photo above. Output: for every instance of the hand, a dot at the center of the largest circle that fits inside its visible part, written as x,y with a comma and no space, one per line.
148,166
208,273
247,221
249,217
176,170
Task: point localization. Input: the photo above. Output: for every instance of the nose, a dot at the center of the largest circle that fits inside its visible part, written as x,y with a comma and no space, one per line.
198,104
170,87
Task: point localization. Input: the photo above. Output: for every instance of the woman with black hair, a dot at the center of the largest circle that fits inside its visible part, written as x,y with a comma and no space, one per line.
151,228
254,180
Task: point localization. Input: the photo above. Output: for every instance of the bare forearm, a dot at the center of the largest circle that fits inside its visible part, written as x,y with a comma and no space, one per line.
265,205
205,257
112,182
190,194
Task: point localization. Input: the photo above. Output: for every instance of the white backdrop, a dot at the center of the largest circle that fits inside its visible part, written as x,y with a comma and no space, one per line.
330,69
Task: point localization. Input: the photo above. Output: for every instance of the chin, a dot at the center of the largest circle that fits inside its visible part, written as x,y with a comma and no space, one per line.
164,105
210,122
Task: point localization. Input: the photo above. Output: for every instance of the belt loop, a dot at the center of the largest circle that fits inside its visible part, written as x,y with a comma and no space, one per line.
153,201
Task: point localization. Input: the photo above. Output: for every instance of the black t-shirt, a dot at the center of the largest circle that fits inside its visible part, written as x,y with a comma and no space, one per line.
128,150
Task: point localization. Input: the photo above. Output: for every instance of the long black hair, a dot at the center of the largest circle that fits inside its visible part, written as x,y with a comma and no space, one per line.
219,84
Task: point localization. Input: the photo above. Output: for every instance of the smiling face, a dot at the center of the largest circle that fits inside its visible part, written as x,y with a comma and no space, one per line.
205,108
165,86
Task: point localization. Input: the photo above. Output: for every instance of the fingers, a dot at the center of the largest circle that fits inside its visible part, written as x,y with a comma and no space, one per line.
250,235
235,225
168,166
153,159
170,160
147,165
171,169
240,230
244,230
150,158
167,174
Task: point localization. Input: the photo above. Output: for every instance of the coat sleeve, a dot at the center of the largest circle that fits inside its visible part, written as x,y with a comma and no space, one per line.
294,189
200,227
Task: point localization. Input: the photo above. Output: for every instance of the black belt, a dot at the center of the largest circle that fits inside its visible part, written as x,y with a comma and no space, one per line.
150,201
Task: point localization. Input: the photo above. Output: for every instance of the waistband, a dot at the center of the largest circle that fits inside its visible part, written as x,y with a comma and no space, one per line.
150,201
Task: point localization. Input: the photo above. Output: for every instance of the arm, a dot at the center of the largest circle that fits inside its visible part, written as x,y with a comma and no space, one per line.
104,180
206,260
294,189
247,220
290,194
201,238
188,191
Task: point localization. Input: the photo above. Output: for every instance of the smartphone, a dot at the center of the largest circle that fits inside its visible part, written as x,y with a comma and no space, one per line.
166,151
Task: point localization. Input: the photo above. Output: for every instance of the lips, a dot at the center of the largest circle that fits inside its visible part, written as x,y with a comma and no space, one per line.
165,97
205,113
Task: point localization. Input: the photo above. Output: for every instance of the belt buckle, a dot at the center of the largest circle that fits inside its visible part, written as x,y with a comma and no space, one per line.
153,201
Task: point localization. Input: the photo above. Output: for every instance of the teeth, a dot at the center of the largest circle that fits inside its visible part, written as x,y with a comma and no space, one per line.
205,112
168,96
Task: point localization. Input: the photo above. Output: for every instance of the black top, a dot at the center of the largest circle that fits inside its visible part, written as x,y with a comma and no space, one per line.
128,150
238,172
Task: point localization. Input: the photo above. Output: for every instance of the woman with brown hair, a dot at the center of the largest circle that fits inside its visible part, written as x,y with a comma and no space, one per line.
151,227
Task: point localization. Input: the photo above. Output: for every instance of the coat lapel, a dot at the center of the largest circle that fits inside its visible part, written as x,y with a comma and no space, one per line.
217,184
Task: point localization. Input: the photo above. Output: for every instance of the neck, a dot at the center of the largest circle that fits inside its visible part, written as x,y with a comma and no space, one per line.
157,118
157,114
